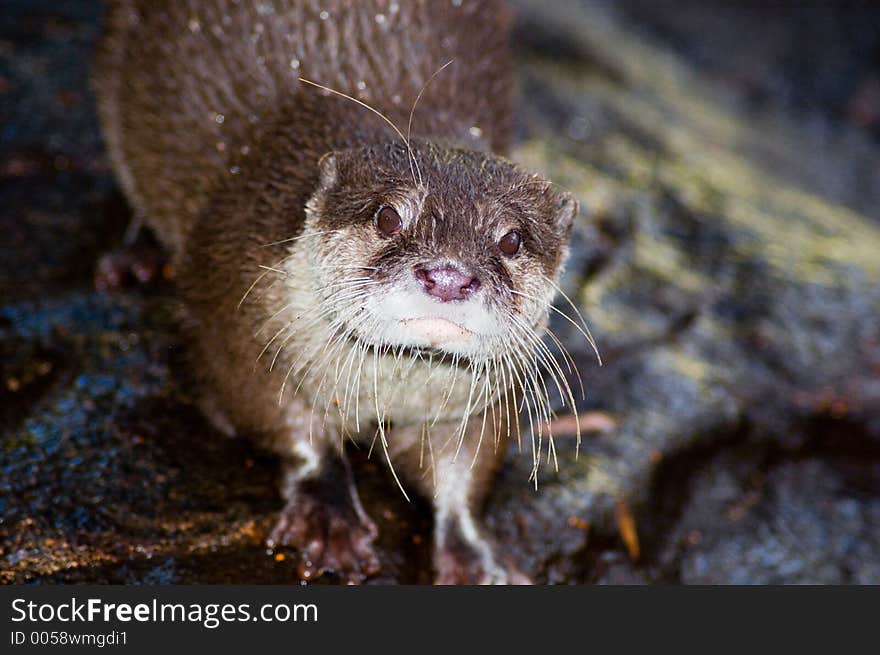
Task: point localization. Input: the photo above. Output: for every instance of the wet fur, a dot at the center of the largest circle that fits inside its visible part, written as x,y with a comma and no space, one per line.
264,189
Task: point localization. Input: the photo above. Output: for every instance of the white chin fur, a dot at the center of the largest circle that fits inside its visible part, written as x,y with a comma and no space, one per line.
412,318
435,331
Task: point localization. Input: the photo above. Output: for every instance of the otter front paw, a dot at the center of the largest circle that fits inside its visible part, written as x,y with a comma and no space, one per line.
329,537
140,263
461,561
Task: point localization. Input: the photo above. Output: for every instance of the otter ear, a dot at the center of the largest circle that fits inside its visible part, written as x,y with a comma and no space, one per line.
327,170
566,210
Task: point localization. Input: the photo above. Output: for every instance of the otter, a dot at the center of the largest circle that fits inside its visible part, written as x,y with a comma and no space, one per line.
356,258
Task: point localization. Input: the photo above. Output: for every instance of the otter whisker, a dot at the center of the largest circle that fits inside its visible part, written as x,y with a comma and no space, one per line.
255,283
486,391
352,284
334,396
381,424
332,348
541,413
551,450
251,288
354,350
422,447
273,270
455,370
589,335
357,394
412,111
313,321
545,355
568,318
343,267
496,411
305,235
300,328
529,356
334,328
553,368
431,457
514,373
569,360
265,323
505,386
466,414
269,343
379,114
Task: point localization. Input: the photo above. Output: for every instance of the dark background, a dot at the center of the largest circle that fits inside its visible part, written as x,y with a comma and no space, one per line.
109,474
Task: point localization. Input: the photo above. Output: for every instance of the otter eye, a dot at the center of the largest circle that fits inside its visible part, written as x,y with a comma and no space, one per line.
388,221
509,244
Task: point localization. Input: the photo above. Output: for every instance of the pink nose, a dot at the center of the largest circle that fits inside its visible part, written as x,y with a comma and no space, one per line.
447,283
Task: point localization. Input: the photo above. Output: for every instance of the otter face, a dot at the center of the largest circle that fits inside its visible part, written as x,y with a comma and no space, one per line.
450,250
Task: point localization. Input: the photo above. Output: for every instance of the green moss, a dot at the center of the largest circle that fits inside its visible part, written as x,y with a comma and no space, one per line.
667,135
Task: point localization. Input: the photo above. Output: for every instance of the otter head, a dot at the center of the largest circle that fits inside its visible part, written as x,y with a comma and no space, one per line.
437,249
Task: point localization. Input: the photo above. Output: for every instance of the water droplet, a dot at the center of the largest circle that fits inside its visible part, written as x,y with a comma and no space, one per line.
579,128
245,150
475,132
194,25
456,3
235,170
259,28
396,99
294,64
219,118
380,18
393,8
361,85
324,15
221,146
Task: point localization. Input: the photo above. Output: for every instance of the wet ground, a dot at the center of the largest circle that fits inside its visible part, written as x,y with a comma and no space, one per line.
727,259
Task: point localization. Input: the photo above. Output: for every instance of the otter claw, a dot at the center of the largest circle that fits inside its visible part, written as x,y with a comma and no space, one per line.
330,539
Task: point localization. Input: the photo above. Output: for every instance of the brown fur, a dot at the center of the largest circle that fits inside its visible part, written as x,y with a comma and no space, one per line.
168,68
230,159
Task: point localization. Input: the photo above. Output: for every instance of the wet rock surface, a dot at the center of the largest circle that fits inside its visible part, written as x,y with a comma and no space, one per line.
733,290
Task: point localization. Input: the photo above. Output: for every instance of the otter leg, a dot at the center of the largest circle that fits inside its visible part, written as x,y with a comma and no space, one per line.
458,485
324,519
462,553
138,260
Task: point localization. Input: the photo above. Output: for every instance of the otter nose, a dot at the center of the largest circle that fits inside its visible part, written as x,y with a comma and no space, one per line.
447,282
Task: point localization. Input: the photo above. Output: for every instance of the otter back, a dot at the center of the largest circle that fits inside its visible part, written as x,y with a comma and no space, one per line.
187,89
